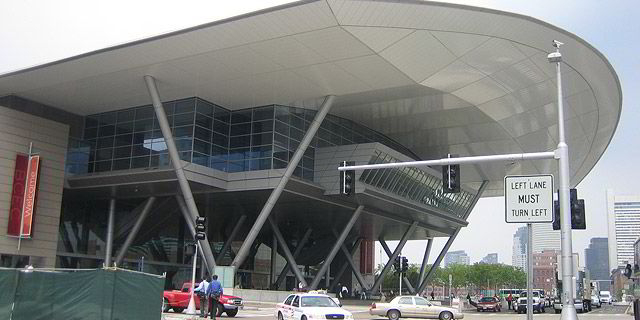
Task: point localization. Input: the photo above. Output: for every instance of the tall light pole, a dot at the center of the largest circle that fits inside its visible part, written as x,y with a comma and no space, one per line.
562,154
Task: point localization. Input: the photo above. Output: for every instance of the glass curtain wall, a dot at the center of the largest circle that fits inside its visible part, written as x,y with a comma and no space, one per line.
258,138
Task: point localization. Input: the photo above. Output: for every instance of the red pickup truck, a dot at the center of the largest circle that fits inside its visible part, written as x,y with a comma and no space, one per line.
178,300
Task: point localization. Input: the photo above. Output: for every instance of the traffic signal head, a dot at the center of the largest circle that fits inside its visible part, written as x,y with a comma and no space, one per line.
201,228
405,264
578,219
396,264
556,215
627,271
451,177
347,179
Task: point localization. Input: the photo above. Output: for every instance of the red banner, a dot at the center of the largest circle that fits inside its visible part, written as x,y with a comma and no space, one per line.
23,195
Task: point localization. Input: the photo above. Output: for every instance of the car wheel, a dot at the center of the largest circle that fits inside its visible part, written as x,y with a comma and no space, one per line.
232,312
177,310
280,317
392,315
165,305
557,311
446,315
303,318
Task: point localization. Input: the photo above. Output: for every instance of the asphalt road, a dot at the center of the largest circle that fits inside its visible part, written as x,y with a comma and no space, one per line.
361,313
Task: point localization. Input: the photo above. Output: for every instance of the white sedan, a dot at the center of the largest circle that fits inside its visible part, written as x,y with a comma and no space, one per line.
310,306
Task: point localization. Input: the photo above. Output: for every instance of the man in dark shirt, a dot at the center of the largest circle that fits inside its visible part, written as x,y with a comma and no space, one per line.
214,291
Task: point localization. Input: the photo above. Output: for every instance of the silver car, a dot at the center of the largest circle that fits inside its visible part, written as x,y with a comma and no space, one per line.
413,307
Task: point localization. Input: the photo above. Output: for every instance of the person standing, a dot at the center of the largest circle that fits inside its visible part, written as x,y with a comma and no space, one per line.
509,300
201,291
214,291
344,291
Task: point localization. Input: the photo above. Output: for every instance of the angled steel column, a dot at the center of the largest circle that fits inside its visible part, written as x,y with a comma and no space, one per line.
452,237
134,230
277,191
274,256
349,258
232,236
389,253
175,161
287,252
109,242
285,270
395,253
344,267
205,247
336,247
425,259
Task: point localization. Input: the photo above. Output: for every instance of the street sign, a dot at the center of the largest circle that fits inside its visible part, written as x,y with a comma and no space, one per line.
528,199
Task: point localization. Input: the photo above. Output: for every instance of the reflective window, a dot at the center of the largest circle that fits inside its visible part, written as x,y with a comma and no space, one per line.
405,300
257,138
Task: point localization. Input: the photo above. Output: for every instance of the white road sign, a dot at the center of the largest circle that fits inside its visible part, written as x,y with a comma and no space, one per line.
528,199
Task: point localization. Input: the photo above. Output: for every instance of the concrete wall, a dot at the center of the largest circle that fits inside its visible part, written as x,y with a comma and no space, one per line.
49,139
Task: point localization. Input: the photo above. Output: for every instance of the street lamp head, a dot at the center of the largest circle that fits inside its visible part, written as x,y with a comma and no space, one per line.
554,57
557,43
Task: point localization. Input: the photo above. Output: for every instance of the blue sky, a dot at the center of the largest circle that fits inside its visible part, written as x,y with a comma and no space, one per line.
35,32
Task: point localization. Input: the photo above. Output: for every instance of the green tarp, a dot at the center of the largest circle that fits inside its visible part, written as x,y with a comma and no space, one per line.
103,294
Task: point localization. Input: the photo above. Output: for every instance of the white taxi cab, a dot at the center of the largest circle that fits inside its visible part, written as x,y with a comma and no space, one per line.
310,306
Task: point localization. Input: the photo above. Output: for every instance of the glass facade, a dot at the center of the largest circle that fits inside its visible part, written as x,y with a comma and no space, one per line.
415,185
257,138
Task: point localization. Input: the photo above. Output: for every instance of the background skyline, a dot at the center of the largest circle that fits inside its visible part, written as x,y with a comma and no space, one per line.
36,32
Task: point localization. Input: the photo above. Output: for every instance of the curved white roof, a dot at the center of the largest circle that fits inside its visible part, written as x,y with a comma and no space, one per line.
438,78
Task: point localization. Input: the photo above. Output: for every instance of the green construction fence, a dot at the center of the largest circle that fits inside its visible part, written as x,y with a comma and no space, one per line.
100,294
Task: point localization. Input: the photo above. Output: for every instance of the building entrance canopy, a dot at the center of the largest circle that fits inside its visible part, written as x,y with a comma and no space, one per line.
437,78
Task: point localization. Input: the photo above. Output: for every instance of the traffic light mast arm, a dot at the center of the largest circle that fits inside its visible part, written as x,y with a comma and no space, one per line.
461,160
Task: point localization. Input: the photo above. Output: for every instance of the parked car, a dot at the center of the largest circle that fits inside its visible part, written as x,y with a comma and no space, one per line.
579,304
178,300
413,307
312,305
489,304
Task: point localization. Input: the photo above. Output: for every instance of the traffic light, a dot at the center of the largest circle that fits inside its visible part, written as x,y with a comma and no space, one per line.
451,177
627,271
347,179
405,264
578,218
556,215
201,228
396,264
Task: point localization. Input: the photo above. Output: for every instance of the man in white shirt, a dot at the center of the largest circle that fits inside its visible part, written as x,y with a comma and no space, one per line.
201,292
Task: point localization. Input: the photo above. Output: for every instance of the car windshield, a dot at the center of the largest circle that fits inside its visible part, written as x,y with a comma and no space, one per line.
318,302
487,299
524,294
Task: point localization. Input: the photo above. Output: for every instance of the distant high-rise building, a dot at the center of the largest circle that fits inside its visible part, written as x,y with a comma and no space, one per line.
519,253
623,222
544,269
491,258
456,257
597,261
544,237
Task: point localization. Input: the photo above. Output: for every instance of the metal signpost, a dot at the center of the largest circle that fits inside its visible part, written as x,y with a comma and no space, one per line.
528,199
561,153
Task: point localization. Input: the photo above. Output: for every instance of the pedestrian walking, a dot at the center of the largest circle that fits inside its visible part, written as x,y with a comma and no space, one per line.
214,291
433,295
509,300
339,290
201,291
